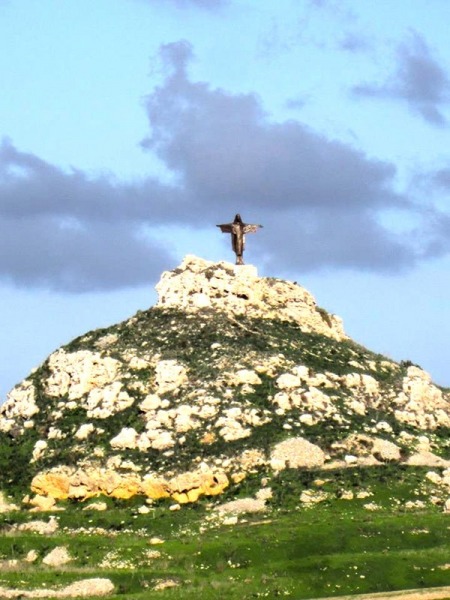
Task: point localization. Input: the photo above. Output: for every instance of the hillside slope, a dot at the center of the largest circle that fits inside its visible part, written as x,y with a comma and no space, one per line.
228,376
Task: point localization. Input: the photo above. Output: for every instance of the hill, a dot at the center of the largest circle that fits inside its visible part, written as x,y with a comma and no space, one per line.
228,375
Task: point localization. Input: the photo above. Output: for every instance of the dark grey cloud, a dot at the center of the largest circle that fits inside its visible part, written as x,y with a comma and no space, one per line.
320,200
419,80
70,232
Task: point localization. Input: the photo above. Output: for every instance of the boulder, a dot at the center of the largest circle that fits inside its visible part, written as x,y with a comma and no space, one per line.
58,557
296,453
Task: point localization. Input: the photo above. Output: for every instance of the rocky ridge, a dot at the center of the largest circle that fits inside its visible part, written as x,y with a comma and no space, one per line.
230,375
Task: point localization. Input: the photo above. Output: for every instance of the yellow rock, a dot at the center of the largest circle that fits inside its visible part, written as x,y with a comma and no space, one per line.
127,487
55,485
43,503
238,477
187,487
155,489
217,483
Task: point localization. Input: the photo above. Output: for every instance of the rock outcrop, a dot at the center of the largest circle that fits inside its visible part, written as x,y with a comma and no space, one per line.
237,290
228,376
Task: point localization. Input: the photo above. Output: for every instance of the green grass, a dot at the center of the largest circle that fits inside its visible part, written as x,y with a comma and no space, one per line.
334,548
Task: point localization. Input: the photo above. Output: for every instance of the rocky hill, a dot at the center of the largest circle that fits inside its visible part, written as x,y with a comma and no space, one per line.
228,376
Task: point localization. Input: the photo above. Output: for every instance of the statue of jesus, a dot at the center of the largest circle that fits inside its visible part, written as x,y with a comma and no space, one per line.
238,229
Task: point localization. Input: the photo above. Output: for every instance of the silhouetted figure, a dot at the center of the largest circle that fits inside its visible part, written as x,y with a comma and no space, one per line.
238,229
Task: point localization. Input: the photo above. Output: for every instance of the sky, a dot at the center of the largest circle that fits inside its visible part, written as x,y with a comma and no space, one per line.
130,128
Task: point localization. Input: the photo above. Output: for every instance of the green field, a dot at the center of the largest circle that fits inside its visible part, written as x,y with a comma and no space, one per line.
333,548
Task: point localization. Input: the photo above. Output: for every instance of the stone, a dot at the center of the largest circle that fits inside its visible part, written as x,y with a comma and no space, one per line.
360,445
307,419
350,459
420,403
386,451
347,495
433,477
313,496
427,459
188,487
31,556
42,503
242,505
77,373
296,453
165,584
106,401
170,375
97,586
42,527
287,381
125,439
246,376
58,557
264,494
84,431
20,405
97,506
238,290
151,402
233,520
38,450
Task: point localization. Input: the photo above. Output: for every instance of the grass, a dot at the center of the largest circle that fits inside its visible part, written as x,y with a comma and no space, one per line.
337,547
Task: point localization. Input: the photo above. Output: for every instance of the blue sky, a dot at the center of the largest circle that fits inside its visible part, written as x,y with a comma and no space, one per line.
131,127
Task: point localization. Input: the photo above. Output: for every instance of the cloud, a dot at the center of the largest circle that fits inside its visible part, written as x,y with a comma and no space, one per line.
353,42
204,4
68,232
419,80
321,195
321,201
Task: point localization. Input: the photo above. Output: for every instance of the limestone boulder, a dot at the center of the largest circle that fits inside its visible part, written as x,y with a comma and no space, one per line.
105,401
242,505
20,406
296,453
420,403
58,557
170,375
77,373
188,487
125,439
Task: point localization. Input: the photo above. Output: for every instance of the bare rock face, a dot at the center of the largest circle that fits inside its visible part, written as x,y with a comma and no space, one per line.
65,482
421,403
20,405
237,289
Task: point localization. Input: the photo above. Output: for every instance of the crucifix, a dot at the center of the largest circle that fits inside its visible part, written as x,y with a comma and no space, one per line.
238,229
